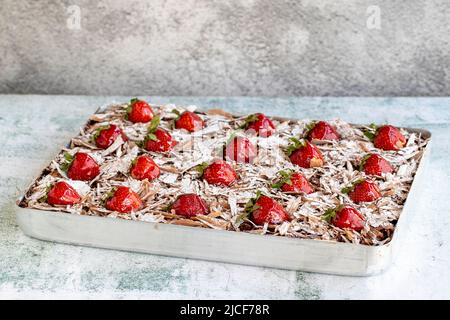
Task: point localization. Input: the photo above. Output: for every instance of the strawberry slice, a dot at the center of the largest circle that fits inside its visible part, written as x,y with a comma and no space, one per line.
345,217
293,182
304,154
218,173
62,193
123,199
143,167
157,139
259,124
363,191
189,121
139,111
240,149
386,137
105,136
264,209
322,131
375,164
80,166
189,205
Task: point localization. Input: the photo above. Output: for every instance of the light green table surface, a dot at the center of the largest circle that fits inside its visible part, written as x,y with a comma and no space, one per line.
33,128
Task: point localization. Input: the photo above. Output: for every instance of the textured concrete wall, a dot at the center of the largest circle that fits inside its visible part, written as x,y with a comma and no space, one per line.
219,47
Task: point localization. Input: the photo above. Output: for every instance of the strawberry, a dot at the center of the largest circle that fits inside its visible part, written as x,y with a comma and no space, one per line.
375,164
293,182
81,166
139,111
259,124
322,131
218,173
123,199
386,137
62,193
189,205
345,217
304,154
157,139
143,167
188,120
363,191
240,149
105,136
264,209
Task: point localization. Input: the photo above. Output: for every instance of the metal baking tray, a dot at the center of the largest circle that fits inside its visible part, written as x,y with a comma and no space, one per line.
224,246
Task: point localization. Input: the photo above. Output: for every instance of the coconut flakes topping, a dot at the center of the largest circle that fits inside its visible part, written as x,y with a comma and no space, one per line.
227,203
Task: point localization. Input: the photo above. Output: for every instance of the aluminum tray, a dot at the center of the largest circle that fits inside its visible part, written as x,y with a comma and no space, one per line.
225,246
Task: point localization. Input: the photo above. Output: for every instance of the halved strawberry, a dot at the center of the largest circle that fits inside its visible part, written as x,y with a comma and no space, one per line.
157,139
386,137
304,154
218,172
189,121
375,164
264,209
143,167
345,217
322,131
81,166
189,205
124,200
139,111
363,191
240,149
105,136
62,193
293,182
259,124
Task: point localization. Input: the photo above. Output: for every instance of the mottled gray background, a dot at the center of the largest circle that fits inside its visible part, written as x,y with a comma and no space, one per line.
225,48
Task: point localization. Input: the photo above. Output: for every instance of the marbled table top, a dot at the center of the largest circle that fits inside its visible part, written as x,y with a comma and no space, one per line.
33,128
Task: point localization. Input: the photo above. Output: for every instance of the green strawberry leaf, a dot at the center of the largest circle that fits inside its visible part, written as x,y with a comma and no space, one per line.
371,133
201,167
233,135
98,131
250,206
108,195
172,124
148,137
45,196
129,107
68,161
68,156
349,189
241,218
178,113
285,179
309,127
330,214
251,118
363,162
296,144
133,163
154,124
